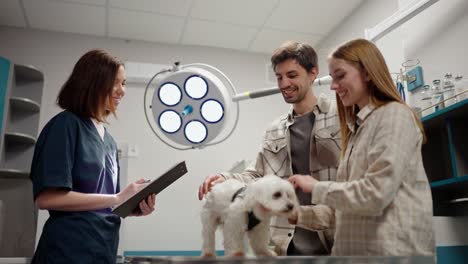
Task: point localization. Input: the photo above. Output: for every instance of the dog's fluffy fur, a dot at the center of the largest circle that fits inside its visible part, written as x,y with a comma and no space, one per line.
266,197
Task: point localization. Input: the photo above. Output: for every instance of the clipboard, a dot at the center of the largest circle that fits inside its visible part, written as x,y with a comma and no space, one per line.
162,182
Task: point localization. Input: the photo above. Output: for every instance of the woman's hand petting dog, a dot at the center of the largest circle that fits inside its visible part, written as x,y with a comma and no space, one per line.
305,182
208,183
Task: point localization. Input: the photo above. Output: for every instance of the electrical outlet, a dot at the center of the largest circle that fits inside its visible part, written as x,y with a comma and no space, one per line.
133,150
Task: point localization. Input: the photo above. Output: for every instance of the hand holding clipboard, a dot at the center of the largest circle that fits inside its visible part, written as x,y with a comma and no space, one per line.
131,205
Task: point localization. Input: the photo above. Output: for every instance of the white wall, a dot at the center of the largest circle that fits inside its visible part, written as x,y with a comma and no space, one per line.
175,224
438,38
368,14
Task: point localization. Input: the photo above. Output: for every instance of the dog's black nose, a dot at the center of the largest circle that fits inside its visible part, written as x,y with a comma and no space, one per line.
290,206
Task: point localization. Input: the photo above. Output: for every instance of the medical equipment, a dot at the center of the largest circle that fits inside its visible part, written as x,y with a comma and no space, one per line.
196,105
401,90
414,78
410,76
449,90
437,95
461,88
426,101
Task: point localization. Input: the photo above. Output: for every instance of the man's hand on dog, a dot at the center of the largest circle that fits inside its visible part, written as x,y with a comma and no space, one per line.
208,183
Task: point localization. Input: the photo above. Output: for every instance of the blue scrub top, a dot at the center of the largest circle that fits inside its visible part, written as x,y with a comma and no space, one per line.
71,155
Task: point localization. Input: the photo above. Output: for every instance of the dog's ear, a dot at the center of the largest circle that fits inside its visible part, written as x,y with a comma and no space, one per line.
254,192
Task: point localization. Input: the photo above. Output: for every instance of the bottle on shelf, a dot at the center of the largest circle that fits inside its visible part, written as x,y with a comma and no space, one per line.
449,90
437,95
426,101
461,88
414,101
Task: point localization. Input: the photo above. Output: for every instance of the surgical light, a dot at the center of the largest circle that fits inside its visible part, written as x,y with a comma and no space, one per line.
196,105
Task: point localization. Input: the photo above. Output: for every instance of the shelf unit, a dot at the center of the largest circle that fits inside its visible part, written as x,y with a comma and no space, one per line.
24,104
445,157
20,105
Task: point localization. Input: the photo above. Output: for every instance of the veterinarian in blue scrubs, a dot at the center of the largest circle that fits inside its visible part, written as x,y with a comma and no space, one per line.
75,170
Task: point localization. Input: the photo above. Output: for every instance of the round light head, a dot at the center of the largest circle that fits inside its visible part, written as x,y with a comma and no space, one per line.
212,111
170,121
169,94
196,87
191,106
195,131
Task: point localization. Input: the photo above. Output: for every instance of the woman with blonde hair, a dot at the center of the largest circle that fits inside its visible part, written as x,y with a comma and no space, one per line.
382,198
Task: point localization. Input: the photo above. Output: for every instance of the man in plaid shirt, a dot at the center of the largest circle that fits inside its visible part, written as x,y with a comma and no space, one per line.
312,121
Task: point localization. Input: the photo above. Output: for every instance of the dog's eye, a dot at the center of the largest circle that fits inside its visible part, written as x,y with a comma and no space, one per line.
277,195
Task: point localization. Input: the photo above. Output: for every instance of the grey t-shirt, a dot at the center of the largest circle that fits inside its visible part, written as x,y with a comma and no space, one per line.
304,242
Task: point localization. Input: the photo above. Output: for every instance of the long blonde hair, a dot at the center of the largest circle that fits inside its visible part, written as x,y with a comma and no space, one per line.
365,56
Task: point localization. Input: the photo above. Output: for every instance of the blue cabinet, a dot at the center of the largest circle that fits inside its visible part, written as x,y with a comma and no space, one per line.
445,158
4,76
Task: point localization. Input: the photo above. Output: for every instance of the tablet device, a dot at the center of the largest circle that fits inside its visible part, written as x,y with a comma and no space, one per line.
132,204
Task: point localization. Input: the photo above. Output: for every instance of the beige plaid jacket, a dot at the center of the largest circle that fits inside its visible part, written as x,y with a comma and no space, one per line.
274,157
382,196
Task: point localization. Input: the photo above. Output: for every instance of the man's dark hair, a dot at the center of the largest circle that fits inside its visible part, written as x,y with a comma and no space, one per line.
303,53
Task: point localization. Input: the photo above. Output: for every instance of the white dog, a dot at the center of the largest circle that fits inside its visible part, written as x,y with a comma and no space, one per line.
245,208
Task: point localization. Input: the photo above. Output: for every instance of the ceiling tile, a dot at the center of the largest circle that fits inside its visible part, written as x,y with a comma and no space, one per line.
217,35
268,40
86,2
11,14
240,12
144,26
65,17
172,7
258,26
310,16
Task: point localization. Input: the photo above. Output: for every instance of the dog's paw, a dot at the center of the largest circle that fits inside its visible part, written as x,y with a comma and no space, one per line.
238,254
267,253
208,255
